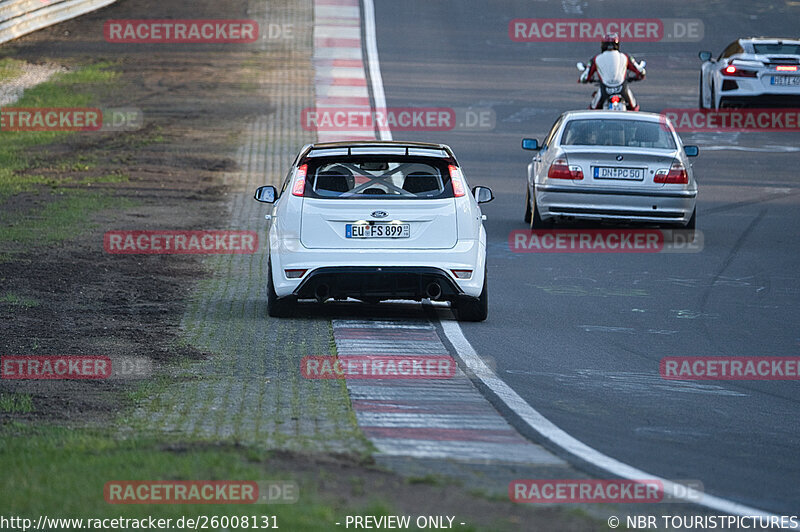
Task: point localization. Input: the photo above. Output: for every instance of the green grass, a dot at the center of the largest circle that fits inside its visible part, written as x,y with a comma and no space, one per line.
63,90
46,464
59,220
15,300
10,68
16,403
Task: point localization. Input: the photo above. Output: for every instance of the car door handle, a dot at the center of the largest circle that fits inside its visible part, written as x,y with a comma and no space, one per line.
537,159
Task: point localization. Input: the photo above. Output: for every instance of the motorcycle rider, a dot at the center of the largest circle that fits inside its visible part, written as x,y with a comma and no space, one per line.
612,68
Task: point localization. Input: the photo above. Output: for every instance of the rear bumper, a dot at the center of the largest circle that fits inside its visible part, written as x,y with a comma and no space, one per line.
384,282
354,272
673,207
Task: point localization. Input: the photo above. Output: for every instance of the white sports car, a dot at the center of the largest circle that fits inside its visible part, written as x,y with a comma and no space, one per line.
377,221
758,72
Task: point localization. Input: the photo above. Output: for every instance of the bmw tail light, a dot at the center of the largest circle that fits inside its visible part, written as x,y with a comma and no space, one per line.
561,169
299,187
459,190
675,175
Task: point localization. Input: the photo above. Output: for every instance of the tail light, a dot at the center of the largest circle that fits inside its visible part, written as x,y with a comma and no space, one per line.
732,70
457,179
675,175
462,274
785,68
294,274
561,169
615,99
299,187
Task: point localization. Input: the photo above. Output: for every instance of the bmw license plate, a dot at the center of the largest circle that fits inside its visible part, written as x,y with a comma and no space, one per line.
789,81
377,230
609,172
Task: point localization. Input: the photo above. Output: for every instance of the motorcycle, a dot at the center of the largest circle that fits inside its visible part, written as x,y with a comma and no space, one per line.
615,101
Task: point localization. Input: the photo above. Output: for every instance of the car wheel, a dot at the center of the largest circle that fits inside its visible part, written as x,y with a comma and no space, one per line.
692,225
474,308
527,204
277,307
701,105
536,220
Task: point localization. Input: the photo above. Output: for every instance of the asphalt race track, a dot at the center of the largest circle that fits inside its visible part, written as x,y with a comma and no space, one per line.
580,336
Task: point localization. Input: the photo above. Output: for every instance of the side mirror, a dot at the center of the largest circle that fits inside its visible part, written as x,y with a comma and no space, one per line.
705,55
530,144
580,66
267,194
483,194
691,151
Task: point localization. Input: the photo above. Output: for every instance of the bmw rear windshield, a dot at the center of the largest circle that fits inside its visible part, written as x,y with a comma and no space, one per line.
376,177
611,132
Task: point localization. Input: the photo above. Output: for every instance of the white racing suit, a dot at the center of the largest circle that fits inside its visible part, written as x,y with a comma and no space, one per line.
611,69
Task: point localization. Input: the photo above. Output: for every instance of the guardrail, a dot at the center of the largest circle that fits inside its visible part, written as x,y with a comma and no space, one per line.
20,17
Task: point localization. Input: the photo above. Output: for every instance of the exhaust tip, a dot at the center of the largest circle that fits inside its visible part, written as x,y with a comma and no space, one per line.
433,291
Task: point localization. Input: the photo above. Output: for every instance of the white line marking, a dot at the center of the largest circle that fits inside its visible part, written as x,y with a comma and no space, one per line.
526,412
374,67
555,435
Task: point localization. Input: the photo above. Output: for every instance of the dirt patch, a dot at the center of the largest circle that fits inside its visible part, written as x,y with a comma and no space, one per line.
76,299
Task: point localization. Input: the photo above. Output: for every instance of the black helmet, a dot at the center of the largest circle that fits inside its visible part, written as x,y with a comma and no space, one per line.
610,42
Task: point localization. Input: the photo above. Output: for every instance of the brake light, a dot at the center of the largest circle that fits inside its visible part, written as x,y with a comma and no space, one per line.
294,274
561,169
458,182
299,187
731,70
462,274
615,99
675,175
786,68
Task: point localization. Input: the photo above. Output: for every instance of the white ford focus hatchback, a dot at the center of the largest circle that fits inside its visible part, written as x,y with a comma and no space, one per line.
377,221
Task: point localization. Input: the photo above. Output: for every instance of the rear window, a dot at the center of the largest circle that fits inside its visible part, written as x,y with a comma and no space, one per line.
378,178
779,49
610,132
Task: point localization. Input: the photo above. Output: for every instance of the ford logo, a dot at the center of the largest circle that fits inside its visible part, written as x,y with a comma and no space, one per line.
379,214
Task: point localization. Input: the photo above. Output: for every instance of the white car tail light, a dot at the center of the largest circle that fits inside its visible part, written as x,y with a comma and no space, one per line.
294,274
458,181
299,187
462,274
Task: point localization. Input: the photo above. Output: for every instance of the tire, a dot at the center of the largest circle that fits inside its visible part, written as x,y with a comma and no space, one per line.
536,220
474,308
691,227
700,104
527,204
277,307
